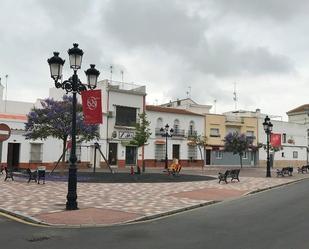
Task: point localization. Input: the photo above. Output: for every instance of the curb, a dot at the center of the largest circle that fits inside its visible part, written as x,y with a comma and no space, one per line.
23,217
155,216
276,186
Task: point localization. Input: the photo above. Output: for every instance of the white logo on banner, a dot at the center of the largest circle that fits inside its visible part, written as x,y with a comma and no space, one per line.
92,103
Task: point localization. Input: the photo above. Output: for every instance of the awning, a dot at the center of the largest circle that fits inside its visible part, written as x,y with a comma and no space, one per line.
159,142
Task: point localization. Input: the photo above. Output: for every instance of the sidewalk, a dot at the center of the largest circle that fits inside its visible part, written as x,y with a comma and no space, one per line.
113,203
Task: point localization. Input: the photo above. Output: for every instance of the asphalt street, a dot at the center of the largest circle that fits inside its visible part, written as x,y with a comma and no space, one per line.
277,218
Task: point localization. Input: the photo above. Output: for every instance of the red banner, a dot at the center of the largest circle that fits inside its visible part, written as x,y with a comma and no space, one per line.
275,139
92,106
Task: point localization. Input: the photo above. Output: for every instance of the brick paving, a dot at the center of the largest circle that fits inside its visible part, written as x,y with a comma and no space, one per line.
109,203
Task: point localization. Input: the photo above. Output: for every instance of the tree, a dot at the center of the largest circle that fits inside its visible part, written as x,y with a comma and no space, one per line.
142,133
237,143
54,119
201,143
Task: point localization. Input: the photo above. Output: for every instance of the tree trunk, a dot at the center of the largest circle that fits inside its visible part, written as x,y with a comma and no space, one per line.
240,157
64,142
200,149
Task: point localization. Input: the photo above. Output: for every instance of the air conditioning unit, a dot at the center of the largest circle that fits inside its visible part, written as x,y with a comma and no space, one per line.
110,114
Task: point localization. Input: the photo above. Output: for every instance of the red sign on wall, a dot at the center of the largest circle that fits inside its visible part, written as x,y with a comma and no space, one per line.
92,106
275,139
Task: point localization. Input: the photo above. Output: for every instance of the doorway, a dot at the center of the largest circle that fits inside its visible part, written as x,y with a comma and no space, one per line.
112,153
13,155
176,149
130,155
208,157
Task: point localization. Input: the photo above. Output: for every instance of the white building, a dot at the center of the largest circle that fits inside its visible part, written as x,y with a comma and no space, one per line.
185,125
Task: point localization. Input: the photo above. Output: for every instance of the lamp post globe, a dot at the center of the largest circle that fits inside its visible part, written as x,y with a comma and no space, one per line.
74,85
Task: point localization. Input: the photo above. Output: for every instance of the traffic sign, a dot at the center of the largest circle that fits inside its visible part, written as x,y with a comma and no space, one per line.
5,132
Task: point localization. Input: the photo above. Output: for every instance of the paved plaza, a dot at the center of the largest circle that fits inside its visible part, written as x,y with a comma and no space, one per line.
112,203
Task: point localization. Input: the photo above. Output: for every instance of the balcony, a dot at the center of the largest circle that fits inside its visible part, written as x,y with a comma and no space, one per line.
233,120
192,133
176,133
179,133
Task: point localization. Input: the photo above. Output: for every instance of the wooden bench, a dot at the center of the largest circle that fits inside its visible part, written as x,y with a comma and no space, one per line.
285,171
233,174
8,174
32,175
223,176
303,169
174,169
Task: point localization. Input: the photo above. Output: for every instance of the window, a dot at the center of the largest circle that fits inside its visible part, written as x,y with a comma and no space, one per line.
176,125
191,131
78,153
250,134
283,138
295,154
159,123
160,152
282,154
245,155
214,132
36,151
192,152
219,154
125,116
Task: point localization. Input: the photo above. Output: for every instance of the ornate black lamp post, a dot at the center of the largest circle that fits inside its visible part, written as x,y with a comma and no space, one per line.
165,132
74,85
268,127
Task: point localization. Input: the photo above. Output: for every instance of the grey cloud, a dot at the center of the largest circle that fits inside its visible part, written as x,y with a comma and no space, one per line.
281,10
140,23
151,23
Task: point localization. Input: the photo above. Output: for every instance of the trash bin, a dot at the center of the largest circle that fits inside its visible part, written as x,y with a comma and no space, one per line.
41,174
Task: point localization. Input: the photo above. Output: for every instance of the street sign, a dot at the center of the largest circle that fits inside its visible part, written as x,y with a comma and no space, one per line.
5,132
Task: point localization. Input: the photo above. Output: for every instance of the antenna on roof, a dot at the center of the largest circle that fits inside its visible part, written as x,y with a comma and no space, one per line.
111,68
215,106
188,92
6,91
121,75
235,96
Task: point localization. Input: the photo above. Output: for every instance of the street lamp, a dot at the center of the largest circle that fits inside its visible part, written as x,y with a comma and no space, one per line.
268,127
165,132
74,85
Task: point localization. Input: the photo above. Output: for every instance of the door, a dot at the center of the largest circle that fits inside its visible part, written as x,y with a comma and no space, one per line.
13,155
176,148
112,153
130,155
208,153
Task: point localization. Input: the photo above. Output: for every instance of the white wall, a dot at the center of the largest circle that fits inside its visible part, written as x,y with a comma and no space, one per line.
297,132
168,118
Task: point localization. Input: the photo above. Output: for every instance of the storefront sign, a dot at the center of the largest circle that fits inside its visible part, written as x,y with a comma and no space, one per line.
126,134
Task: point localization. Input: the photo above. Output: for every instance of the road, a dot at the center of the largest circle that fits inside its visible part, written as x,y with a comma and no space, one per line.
277,218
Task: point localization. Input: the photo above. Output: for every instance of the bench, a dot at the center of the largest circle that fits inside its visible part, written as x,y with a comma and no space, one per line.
8,174
174,169
303,169
285,171
32,175
233,174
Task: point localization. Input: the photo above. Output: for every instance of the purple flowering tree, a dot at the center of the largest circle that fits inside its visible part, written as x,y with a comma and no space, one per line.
237,143
54,119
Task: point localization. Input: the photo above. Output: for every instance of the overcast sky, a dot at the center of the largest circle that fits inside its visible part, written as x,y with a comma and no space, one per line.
170,46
